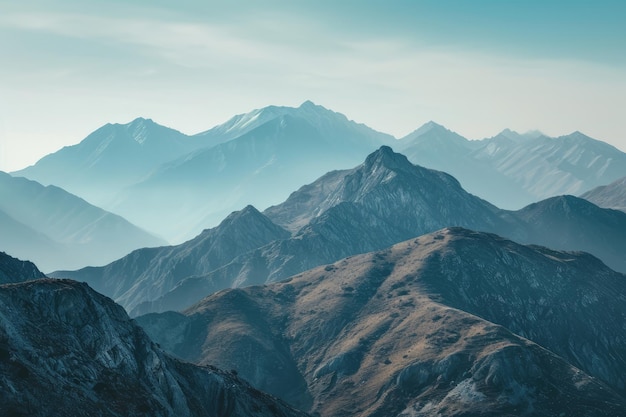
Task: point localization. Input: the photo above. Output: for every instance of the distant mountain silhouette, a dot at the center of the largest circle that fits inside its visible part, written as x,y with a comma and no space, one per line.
176,185
513,170
418,327
112,157
611,196
278,150
56,229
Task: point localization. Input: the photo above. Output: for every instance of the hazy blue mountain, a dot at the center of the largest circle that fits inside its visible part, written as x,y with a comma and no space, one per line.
512,170
111,158
147,274
383,201
176,185
24,242
13,270
56,229
66,350
572,223
278,150
611,196
423,328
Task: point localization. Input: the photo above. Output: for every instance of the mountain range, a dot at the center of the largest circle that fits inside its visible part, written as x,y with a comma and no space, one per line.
90,359
428,327
56,229
512,170
176,185
240,162
383,201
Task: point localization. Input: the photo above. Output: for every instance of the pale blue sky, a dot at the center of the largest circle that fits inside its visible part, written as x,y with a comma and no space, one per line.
476,67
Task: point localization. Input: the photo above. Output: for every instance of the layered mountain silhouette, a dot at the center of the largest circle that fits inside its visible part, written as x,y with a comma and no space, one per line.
381,202
90,359
512,170
56,229
611,196
278,150
111,158
428,327
175,185
147,274
13,270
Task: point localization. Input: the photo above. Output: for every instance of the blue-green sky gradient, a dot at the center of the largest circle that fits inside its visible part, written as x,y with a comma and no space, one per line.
475,66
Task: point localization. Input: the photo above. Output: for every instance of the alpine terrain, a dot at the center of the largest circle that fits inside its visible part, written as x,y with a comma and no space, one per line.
67,350
381,202
452,323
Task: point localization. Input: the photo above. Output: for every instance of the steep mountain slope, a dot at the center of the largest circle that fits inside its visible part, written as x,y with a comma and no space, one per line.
110,158
199,189
59,230
13,270
90,359
148,273
385,333
382,201
611,196
513,170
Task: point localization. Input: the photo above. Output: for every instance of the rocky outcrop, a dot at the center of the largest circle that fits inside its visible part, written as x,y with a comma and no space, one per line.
417,330
67,350
13,270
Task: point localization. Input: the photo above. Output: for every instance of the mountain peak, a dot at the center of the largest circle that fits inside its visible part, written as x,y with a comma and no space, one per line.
386,157
427,127
308,104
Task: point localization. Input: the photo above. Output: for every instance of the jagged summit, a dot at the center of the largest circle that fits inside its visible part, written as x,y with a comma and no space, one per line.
385,157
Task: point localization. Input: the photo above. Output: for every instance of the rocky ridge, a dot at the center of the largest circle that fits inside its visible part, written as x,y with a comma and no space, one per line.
90,359
417,330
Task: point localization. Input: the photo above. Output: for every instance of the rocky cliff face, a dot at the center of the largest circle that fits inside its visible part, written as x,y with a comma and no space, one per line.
13,270
67,350
398,332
